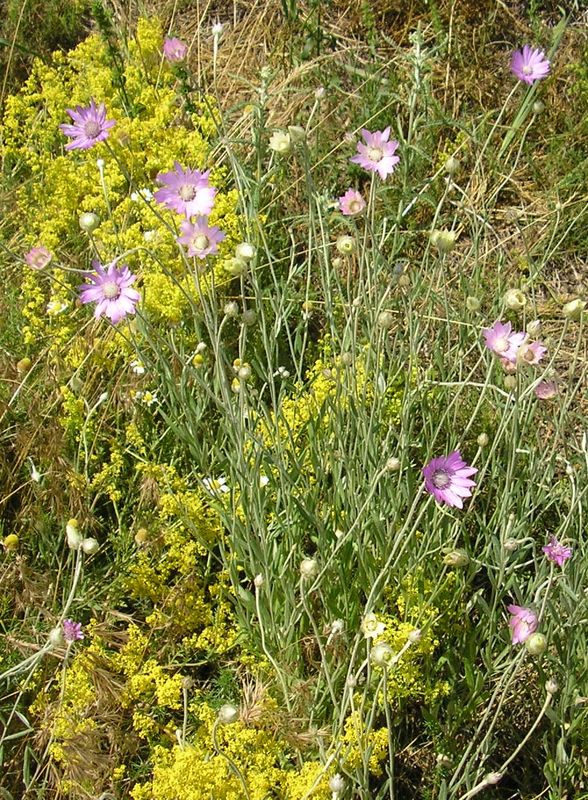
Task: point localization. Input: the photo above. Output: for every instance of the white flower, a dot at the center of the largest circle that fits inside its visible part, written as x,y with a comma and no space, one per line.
217,28
371,627
137,368
149,398
263,480
215,485
280,142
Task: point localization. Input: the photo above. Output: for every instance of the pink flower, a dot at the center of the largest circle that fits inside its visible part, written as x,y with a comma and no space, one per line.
447,478
174,49
38,258
523,622
529,65
557,552
545,390
109,288
200,238
377,154
351,203
502,341
186,191
72,631
90,126
531,353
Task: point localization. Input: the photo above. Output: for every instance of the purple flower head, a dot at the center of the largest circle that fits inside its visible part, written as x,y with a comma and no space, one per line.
38,258
90,126
72,631
502,341
174,49
377,154
523,622
351,203
531,353
545,390
447,478
109,288
200,238
186,191
529,65
557,552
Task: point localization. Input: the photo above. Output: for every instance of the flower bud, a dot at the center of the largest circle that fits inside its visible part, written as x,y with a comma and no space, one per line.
346,245
347,359
381,654
483,440
551,686
393,464
385,319
510,545
227,714
142,536
536,644
515,299
319,92
510,382
534,327
74,537
90,546
574,309
472,303
538,107
89,221
443,760
235,267
336,783
23,365
308,568
231,309
456,558
297,133
258,581
100,163
493,778
10,542
249,317
56,637
244,372
451,165
443,240
415,636
245,251
404,280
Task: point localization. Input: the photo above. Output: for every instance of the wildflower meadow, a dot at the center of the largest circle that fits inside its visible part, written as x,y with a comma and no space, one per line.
294,400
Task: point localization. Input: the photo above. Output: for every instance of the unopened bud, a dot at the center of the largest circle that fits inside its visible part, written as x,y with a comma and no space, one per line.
227,714
336,783
536,644
451,165
89,221
258,581
347,359
280,142
297,133
510,382
456,558
551,686
56,637
142,536
346,245
393,464
538,107
515,299
90,546
415,636
472,303
309,568
483,440
73,535
231,309
574,309
245,251
510,545
534,327
385,319
493,778
10,542
235,266
244,372
443,240
23,365
381,654
248,317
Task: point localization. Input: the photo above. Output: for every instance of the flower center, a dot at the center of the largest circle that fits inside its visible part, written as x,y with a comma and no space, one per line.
354,206
375,153
110,290
527,69
91,129
501,345
187,192
441,479
201,242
